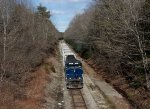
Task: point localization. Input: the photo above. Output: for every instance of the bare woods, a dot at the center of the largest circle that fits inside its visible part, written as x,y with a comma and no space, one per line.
26,36
116,35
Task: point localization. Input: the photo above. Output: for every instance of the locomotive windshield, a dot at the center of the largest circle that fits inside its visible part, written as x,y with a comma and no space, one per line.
76,64
71,61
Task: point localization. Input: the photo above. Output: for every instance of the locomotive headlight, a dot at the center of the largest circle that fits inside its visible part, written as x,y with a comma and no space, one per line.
70,63
79,78
69,78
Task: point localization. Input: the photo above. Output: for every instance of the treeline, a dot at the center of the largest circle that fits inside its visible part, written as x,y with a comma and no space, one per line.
26,37
115,34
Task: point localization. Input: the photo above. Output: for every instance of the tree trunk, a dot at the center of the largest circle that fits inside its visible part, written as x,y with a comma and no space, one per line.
4,50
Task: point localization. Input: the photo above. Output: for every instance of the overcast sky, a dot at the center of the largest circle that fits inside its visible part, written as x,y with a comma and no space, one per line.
63,10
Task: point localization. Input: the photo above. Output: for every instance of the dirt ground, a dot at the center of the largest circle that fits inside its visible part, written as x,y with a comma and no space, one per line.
43,90
138,98
115,100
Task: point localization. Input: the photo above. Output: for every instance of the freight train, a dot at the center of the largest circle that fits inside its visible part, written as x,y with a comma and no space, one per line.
72,67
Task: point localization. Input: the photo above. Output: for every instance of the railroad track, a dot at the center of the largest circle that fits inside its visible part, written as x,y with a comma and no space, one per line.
77,99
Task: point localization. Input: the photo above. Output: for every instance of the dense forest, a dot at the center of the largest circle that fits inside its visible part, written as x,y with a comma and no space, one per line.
115,35
27,36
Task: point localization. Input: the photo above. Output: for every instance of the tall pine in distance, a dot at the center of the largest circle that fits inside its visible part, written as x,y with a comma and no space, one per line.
42,11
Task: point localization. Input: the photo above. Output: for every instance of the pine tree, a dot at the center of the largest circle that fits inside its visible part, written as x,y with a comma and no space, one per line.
42,11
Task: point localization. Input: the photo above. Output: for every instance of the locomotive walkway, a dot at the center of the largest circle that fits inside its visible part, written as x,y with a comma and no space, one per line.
96,94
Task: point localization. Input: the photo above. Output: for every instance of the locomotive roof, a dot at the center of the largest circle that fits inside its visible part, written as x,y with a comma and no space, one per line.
71,59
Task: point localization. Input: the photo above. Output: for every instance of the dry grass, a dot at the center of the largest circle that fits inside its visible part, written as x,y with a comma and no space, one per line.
32,94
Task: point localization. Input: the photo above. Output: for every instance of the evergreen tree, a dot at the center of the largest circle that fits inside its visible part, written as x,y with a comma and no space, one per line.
42,11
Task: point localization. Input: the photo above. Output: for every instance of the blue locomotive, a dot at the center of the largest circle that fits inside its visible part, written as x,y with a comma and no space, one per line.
73,72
